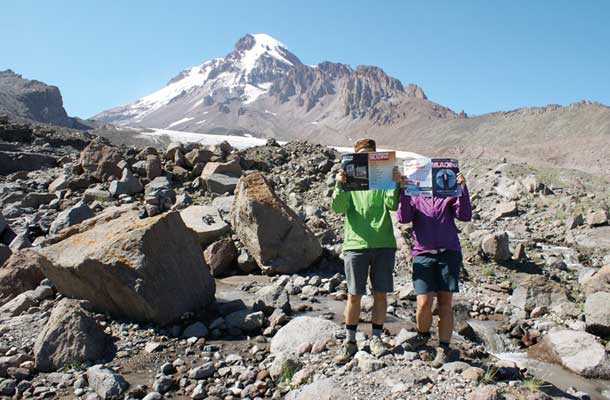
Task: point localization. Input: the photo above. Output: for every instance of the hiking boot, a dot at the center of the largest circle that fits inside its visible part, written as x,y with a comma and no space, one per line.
442,357
346,352
377,346
417,341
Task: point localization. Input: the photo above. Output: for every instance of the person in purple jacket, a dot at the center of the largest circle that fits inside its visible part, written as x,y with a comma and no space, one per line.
437,259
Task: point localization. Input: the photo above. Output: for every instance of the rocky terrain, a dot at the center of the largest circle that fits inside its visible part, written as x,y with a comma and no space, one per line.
262,89
194,272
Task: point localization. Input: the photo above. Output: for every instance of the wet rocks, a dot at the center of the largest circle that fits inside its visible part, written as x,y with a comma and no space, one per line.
273,234
106,383
144,269
221,256
206,222
71,335
579,352
597,313
495,246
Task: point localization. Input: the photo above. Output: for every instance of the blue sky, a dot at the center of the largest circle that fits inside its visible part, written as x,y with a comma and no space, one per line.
477,56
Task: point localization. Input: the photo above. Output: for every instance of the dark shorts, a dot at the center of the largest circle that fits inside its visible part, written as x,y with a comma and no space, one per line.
437,272
378,264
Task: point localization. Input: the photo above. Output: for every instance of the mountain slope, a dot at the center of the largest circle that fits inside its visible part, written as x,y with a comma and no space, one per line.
262,89
33,100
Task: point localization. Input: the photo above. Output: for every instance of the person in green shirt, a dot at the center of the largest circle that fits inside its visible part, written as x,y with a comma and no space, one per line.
369,249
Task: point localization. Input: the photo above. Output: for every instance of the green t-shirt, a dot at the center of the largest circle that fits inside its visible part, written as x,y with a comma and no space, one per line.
368,224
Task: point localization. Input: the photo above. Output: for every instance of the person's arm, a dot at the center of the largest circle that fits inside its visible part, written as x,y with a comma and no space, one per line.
405,209
341,200
390,197
462,209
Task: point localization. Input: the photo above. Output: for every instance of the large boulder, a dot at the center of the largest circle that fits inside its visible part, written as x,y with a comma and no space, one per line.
5,253
71,335
71,216
495,246
302,330
206,222
101,161
577,351
272,232
143,269
221,184
231,168
597,313
538,291
21,272
13,162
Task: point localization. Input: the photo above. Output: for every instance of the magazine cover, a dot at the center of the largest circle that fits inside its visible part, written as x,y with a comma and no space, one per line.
369,171
430,177
444,178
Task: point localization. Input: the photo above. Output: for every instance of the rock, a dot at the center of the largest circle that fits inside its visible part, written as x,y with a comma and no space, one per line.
206,222
21,272
70,335
35,200
101,161
538,291
20,242
577,351
148,269
14,162
197,329
221,256
106,383
202,372
153,396
223,204
323,389
8,387
19,304
574,221
599,282
488,392
245,262
128,184
5,254
299,330
519,252
231,168
71,216
508,209
473,374
597,218
367,363
172,149
163,384
221,184
246,320
160,189
197,156
495,246
597,313
270,298
60,183
153,167
273,234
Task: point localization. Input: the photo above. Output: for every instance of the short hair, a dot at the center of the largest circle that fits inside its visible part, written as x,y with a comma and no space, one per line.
365,144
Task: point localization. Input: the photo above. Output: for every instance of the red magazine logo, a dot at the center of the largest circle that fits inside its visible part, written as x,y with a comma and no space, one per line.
379,156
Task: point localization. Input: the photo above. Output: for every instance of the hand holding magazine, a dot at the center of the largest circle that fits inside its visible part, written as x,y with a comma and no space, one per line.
431,177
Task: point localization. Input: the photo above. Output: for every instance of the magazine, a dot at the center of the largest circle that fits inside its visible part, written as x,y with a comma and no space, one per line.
431,177
369,171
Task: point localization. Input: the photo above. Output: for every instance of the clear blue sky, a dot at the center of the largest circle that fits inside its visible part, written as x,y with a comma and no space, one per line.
479,56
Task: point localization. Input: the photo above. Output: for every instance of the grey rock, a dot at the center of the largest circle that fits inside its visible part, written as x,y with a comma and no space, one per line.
323,389
508,209
163,384
367,363
70,335
128,184
19,304
20,242
153,396
197,329
35,200
579,352
597,313
300,330
153,168
5,254
221,184
206,222
597,218
106,383
272,297
246,320
202,372
71,216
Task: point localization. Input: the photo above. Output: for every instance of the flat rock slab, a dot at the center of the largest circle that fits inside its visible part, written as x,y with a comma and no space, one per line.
206,222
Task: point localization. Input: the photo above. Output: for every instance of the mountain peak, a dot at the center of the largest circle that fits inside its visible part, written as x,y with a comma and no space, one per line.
252,47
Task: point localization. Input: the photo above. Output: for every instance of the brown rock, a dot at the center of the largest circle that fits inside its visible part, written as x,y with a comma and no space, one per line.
231,168
100,161
220,256
143,269
197,156
272,232
508,209
153,167
597,218
599,282
21,272
488,392
495,246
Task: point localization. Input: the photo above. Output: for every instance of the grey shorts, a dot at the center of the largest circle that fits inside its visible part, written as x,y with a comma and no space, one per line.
437,272
378,264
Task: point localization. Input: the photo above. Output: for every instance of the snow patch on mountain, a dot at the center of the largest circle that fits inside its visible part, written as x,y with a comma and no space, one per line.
180,121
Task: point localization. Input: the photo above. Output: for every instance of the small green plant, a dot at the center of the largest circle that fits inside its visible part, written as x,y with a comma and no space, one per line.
288,371
74,366
490,375
488,271
533,384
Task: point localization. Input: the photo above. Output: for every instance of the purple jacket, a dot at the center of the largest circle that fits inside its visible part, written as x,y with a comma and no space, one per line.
433,220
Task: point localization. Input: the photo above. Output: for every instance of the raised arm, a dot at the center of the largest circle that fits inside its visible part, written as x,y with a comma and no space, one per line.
462,208
390,198
341,200
405,209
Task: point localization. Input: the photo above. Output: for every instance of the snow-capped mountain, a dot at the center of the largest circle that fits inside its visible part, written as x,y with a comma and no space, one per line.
262,89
